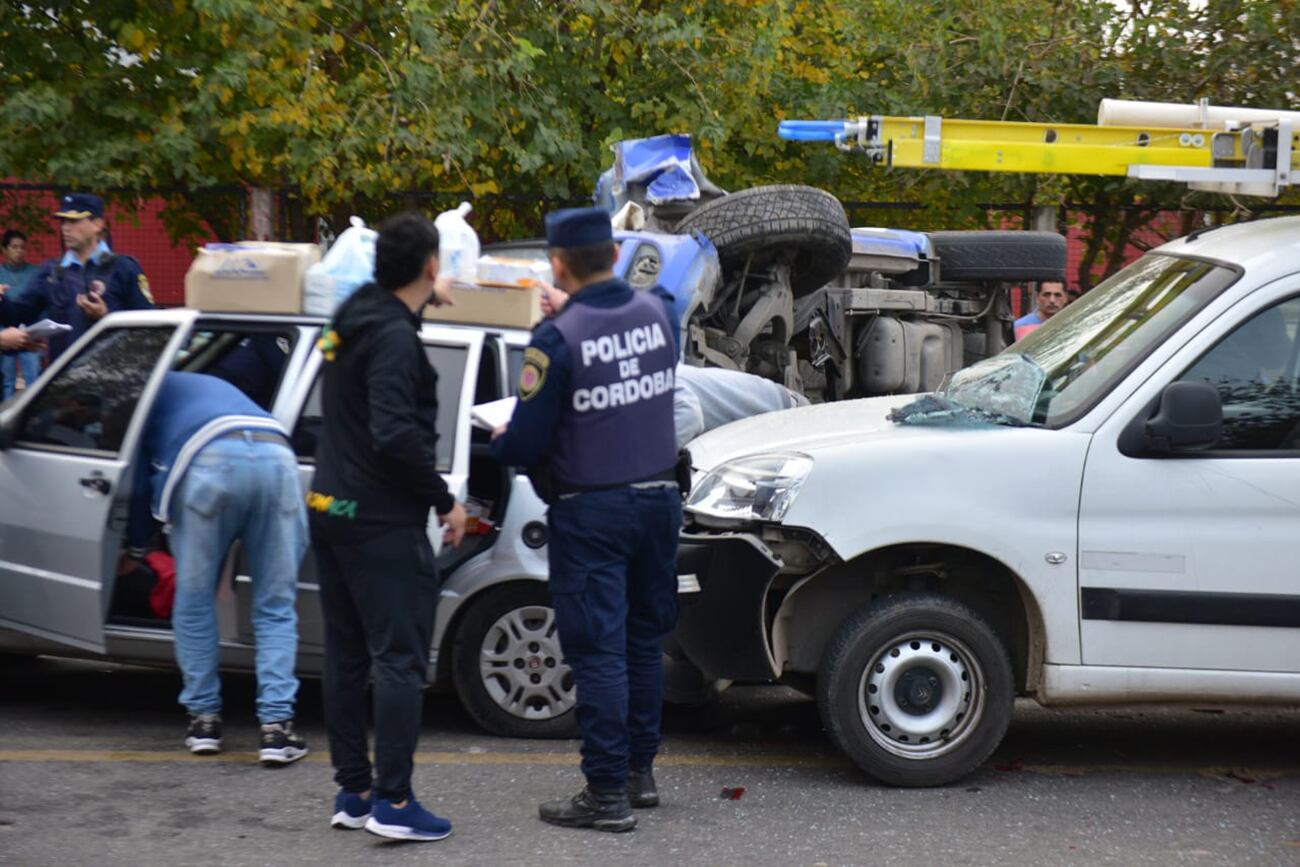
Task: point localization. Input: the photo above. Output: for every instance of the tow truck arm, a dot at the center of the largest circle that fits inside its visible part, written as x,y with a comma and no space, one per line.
1218,149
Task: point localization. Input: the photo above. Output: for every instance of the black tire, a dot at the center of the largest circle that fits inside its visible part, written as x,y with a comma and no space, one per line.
924,648
1004,256
498,702
804,223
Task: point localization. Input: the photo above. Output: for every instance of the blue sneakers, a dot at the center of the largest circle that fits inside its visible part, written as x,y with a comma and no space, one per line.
350,811
411,822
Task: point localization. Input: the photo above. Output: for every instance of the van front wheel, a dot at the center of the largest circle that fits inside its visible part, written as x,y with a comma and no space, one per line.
917,688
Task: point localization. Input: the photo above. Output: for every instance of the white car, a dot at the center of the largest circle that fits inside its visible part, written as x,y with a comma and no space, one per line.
1107,512
68,447
67,454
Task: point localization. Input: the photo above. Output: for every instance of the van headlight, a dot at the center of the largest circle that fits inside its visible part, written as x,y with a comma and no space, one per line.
752,488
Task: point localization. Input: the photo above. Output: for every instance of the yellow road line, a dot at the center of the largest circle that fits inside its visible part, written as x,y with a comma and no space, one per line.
421,758
812,762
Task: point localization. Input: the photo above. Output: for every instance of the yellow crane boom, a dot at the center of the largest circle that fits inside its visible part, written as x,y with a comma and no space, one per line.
1252,156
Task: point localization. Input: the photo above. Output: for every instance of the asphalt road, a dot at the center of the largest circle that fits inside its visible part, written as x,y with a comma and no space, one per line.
92,772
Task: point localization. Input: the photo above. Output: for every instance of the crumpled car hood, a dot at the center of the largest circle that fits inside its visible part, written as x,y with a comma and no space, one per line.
803,429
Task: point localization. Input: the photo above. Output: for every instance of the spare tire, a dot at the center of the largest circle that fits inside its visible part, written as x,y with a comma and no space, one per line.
1009,256
804,224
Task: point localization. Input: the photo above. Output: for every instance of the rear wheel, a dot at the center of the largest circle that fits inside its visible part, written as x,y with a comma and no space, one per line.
509,669
917,689
802,226
1000,256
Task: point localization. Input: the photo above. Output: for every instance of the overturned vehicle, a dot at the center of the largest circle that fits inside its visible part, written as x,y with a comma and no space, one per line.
772,280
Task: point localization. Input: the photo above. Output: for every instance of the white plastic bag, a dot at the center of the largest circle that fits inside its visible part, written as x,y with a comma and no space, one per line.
348,265
458,247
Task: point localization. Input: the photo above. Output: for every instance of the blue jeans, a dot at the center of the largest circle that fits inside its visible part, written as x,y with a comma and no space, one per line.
9,362
246,489
613,582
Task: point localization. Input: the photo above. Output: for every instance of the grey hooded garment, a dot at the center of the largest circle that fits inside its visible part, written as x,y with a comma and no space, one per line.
709,397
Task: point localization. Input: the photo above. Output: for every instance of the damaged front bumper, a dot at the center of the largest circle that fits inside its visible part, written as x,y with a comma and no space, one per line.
723,627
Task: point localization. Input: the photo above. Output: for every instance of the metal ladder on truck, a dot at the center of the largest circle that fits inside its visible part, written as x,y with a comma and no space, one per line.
1241,151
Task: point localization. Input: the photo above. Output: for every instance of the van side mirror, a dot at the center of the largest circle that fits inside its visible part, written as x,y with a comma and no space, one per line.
1188,417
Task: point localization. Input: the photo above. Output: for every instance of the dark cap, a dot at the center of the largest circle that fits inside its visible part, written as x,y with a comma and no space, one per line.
578,227
79,206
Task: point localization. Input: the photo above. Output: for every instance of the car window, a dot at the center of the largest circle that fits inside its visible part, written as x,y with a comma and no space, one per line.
306,432
89,405
514,364
448,361
1087,348
488,386
1255,371
251,360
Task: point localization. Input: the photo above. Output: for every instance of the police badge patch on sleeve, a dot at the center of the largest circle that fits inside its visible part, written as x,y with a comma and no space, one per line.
143,283
533,374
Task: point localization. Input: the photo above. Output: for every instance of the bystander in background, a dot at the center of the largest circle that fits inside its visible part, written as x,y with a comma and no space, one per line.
1049,300
15,273
86,284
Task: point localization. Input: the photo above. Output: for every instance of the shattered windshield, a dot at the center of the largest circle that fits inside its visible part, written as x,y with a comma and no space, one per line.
1062,369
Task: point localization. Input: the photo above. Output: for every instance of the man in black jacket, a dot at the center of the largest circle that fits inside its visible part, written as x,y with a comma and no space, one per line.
376,479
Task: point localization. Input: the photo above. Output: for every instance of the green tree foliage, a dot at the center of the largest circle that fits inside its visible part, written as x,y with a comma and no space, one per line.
353,102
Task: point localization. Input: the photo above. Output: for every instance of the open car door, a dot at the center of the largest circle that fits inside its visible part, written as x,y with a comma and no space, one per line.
66,471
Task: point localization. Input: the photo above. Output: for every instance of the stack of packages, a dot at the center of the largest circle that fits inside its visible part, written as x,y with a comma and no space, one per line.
273,277
504,292
488,290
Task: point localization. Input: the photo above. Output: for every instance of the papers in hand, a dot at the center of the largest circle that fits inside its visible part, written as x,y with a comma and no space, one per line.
493,414
45,328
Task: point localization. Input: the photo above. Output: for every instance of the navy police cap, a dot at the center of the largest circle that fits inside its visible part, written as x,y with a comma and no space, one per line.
578,227
79,206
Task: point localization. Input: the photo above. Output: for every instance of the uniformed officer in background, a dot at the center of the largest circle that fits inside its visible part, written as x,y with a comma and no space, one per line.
87,283
595,415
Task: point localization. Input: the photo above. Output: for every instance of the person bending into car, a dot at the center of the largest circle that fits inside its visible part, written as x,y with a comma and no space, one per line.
216,467
376,480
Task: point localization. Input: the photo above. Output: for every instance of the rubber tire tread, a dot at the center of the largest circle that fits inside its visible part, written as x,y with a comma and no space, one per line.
1003,256
848,653
766,221
484,612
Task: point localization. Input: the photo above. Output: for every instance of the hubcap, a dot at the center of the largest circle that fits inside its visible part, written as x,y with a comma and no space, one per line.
921,695
523,667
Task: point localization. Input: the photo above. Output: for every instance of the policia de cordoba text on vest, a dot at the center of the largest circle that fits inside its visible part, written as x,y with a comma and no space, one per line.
627,348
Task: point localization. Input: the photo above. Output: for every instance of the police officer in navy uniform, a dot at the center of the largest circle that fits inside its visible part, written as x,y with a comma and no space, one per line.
88,282
596,409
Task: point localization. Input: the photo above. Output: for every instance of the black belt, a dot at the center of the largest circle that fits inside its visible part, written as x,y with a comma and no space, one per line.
562,488
257,436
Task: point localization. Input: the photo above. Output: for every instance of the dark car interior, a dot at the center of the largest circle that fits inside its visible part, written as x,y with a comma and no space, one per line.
489,482
251,359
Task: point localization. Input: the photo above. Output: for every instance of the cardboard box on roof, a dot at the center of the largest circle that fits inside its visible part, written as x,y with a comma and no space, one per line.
250,276
510,271
502,306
